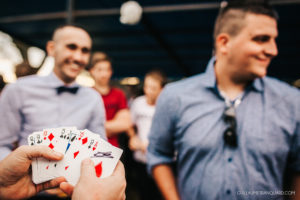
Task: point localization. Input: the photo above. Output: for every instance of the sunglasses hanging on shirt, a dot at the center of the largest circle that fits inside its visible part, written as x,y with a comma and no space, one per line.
230,134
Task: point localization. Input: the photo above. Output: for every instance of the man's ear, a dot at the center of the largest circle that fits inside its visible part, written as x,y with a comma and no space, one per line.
222,43
50,48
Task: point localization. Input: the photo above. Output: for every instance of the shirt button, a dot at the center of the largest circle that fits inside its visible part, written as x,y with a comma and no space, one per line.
229,159
228,191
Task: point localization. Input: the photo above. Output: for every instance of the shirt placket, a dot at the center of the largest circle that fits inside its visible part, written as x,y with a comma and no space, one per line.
229,152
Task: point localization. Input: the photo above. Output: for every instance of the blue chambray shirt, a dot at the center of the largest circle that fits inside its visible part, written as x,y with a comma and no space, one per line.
32,104
188,120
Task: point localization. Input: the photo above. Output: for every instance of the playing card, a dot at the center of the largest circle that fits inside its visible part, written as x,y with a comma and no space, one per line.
62,137
56,139
76,145
81,148
105,158
49,138
72,163
32,140
88,139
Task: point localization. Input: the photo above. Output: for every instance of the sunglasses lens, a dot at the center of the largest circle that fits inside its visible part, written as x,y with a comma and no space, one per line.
230,137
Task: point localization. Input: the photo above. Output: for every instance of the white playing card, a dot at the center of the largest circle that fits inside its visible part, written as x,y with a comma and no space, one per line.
80,149
38,164
76,145
50,139
34,165
63,136
72,163
69,141
105,158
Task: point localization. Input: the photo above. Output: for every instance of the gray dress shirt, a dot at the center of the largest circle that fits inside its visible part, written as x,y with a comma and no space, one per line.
32,104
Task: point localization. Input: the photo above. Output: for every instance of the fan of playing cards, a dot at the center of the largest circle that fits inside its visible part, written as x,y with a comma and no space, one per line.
76,145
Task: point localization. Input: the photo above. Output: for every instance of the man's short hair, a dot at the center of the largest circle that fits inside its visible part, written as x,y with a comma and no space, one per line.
158,75
231,17
99,57
25,69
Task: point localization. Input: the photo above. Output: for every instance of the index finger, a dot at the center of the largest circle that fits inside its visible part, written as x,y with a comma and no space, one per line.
40,151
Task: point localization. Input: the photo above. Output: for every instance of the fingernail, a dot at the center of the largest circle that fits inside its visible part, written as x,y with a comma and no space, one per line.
87,161
57,154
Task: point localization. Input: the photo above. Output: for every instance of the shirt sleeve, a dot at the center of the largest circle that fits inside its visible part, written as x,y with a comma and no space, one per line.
98,118
294,163
161,144
10,118
133,109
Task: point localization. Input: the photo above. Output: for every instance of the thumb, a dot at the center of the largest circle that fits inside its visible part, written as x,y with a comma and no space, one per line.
87,169
119,170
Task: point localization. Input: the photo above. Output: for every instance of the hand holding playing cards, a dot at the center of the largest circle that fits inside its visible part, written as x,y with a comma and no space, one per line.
15,177
90,187
75,145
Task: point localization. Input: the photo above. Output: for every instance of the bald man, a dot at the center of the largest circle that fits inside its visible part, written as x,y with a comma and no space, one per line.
34,103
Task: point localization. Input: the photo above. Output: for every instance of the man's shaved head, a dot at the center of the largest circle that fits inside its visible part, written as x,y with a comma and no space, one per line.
70,47
58,31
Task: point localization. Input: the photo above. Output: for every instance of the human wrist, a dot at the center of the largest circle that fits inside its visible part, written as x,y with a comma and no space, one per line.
134,136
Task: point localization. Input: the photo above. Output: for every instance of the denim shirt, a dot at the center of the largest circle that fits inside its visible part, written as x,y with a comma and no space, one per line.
189,121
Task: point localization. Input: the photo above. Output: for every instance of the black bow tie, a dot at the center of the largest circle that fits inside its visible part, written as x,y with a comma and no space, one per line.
62,89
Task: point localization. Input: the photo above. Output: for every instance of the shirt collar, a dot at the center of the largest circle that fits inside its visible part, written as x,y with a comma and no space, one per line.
54,82
210,77
257,84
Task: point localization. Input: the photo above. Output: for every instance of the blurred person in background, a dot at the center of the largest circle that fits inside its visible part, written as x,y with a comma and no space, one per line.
142,111
233,129
25,69
115,102
297,83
